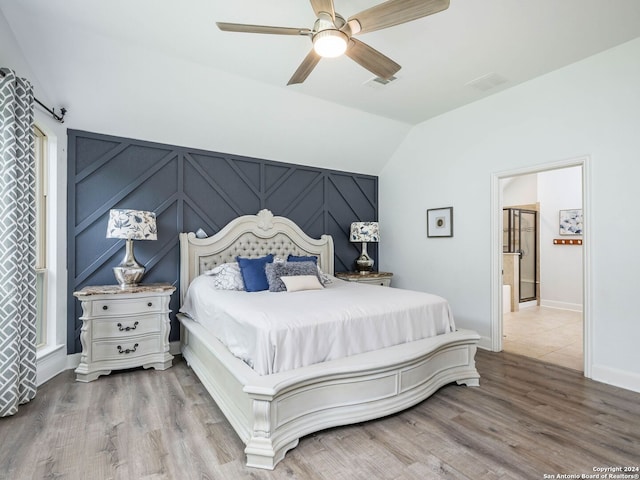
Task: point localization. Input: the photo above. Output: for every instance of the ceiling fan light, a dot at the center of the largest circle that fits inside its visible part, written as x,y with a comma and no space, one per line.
330,43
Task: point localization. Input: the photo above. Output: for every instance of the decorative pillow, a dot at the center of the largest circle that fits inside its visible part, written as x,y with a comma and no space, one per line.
253,273
226,276
302,258
275,271
302,282
325,278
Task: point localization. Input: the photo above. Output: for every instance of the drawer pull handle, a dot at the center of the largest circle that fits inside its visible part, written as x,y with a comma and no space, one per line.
105,307
127,350
149,304
127,329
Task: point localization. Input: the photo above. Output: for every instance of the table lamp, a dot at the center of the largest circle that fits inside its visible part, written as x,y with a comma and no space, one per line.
130,225
364,232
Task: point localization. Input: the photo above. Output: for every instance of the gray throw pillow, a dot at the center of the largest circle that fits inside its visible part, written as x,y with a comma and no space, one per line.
287,269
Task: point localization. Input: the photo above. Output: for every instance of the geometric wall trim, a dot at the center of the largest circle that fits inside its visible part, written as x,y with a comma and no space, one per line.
189,189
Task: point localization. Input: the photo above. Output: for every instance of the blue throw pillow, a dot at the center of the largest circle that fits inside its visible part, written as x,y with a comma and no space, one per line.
253,274
302,258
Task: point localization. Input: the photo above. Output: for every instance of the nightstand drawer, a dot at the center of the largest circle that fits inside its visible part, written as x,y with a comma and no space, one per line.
126,326
125,348
383,282
111,308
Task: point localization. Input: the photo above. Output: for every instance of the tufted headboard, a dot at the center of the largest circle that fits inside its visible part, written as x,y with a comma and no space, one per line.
249,236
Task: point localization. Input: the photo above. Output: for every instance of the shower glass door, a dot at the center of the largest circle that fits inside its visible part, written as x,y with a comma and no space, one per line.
520,237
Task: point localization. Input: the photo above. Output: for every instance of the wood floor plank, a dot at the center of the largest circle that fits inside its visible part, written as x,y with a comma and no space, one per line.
596,429
526,419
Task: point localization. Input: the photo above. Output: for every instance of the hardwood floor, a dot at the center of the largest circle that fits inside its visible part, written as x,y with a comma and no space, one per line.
527,419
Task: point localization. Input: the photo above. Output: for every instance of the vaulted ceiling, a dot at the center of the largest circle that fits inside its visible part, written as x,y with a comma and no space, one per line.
160,70
471,50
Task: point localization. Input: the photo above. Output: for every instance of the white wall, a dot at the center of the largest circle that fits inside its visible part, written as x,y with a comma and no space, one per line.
589,108
560,265
521,190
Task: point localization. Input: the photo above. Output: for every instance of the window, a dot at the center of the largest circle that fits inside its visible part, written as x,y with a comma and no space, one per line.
41,236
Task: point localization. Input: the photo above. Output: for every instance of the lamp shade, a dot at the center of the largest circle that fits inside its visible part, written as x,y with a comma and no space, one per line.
364,232
132,224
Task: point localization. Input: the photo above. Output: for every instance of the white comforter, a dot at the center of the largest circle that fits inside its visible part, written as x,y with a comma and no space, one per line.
275,332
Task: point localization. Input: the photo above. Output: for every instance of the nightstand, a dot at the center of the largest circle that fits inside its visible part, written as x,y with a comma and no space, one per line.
124,328
373,278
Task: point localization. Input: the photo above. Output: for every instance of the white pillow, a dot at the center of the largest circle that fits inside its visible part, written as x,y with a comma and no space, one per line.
226,276
301,282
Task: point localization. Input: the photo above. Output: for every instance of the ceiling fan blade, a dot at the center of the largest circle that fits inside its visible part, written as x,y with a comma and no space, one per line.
326,6
244,28
371,59
305,68
394,12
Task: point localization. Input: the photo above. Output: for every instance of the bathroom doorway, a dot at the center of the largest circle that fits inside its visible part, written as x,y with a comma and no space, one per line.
549,319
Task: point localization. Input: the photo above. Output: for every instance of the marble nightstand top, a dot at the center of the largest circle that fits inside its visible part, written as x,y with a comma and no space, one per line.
116,289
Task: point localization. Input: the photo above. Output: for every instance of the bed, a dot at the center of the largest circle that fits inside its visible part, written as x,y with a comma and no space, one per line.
271,412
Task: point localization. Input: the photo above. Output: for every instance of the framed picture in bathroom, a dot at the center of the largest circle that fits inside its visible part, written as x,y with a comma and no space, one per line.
440,222
571,222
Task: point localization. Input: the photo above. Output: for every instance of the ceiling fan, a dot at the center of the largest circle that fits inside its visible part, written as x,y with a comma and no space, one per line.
332,35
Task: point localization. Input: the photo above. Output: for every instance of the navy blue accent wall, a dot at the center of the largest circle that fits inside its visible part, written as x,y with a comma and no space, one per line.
190,189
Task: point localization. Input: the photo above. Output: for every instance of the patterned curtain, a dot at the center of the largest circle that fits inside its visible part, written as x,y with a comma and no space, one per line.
17,244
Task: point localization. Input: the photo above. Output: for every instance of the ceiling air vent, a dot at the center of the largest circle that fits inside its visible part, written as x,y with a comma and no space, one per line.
486,82
378,83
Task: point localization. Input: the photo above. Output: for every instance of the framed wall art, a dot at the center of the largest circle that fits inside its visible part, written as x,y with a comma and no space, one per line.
440,222
571,222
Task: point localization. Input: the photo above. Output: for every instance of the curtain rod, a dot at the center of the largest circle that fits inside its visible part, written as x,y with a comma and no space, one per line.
63,111
52,111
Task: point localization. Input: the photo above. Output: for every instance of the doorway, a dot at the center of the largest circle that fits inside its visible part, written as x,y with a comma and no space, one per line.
549,303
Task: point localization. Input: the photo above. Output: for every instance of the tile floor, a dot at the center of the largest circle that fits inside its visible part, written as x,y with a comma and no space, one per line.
549,334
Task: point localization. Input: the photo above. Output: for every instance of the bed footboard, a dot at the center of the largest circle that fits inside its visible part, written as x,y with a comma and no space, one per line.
271,413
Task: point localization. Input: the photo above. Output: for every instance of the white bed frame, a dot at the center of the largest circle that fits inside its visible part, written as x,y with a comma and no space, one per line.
271,412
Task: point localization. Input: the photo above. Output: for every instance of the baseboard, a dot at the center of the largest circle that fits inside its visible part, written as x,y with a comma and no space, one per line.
73,361
50,363
529,304
55,361
618,378
174,348
485,343
576,307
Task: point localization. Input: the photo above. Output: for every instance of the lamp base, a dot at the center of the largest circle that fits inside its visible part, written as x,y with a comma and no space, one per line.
364,263
129,272
128,276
